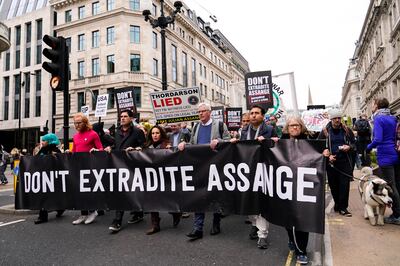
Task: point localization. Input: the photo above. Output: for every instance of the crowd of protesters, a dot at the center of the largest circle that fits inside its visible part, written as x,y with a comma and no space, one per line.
344,147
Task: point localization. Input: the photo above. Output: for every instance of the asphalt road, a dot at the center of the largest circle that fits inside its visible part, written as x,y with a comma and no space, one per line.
58,242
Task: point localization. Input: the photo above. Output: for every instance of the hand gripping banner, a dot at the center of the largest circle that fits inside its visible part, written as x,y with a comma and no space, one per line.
284,183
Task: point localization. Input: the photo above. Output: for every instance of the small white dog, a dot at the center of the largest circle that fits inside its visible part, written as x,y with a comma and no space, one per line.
374,195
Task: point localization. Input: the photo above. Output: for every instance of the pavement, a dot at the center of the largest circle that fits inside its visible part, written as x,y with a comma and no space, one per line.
354,241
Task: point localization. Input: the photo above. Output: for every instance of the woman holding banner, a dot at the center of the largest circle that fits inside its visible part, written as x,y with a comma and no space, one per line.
85,140
157,139
298,240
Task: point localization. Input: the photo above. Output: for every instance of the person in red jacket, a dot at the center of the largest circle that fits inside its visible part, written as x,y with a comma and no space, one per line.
85,140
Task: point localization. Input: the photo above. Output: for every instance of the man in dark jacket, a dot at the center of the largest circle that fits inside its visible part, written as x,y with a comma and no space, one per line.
127,137
363,129
340,147
258,130
177,135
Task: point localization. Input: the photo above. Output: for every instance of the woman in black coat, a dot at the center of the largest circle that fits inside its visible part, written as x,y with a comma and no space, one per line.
298,240
49,146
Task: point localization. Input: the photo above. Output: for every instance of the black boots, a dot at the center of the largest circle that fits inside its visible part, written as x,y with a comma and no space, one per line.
42,217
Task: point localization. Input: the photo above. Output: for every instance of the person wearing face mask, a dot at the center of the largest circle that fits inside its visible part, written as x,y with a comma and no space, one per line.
157,139
49,145
340,149
273,120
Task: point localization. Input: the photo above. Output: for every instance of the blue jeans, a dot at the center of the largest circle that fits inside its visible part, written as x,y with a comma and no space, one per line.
199,220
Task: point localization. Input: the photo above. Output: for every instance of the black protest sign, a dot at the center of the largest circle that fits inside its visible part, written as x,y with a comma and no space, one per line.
125,100
259,89
233,118
217,113
284,183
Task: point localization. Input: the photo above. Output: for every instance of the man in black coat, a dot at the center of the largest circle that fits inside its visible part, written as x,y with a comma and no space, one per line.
177,135
127,137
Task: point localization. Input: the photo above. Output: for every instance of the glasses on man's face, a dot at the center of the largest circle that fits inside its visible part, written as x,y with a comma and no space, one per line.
78,123
294,126
202,111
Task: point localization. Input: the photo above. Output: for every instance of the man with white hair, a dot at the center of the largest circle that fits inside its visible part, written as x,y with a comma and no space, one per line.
340,148
207,131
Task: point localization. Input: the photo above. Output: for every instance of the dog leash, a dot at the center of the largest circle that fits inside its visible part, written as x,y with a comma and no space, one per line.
350,176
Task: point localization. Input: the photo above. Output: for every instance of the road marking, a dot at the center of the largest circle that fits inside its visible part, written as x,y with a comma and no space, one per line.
328,259
13,222
289,258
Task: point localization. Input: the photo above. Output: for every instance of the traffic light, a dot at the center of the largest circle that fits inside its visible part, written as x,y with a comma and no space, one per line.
58,54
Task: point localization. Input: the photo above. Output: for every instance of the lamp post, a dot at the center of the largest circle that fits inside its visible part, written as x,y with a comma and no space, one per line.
162,22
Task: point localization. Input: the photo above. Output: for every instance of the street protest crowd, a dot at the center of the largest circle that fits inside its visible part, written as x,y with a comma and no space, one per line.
345,147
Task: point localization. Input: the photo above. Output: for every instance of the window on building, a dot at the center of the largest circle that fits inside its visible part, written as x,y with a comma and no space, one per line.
68,16
68,43
17,58
81,69
7,61
137,92
193,72
174,59
135,62
111,98
6,85
39,54
154,10
39,24
95,8
94,99
28,32
205,72
27,78
81,42
80,101
110,35
184,70
95,67
17,35
110,5
28,56
38,87
81,12
134,34
17,95
201,69
205,91
155,42
95,39
155,67
134,5
110,64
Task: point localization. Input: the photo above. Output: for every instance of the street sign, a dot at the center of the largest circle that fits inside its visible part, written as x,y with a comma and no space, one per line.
85,110
101,105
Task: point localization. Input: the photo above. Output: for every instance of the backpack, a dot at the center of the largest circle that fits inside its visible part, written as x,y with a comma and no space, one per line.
363,128
397,140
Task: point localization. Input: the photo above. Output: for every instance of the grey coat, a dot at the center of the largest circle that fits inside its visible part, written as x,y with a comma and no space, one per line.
215,134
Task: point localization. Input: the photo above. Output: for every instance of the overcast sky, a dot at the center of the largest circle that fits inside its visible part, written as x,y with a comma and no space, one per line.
313,38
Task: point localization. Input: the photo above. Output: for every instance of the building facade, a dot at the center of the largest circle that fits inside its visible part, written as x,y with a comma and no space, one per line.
377,55
112,46
351,94
24,98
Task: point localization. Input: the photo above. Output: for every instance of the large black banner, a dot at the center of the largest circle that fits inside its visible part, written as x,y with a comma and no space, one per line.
284,183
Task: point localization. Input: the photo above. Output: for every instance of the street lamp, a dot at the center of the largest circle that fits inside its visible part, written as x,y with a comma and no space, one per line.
163,23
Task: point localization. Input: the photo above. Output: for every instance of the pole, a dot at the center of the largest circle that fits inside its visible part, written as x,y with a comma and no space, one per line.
66,103
19,111
294,95
53,112
163,51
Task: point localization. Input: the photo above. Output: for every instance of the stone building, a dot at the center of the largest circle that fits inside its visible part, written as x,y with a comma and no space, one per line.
377,55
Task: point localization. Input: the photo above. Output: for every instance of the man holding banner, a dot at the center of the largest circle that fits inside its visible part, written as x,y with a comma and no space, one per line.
127,138
260,131
207,131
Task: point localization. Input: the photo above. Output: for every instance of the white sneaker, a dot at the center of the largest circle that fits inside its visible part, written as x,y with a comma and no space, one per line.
90,218
80,220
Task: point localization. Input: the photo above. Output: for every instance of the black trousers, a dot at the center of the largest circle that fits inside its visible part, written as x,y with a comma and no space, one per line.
362,144
300,239
391,174
120,214
339,178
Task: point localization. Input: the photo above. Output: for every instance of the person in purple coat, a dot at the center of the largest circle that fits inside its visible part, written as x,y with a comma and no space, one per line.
388,159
